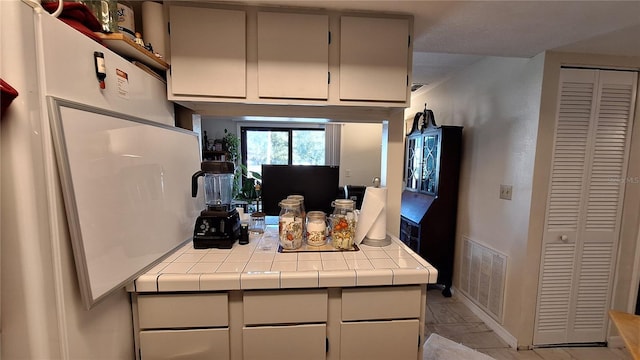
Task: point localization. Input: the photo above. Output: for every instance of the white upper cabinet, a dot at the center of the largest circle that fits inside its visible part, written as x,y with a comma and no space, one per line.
374,54
208,52
293,55
266,55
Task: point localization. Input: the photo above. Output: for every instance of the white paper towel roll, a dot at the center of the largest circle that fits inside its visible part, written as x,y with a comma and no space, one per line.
372,221
153,26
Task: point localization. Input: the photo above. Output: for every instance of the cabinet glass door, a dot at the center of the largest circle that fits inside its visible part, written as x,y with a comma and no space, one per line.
413,166
430,148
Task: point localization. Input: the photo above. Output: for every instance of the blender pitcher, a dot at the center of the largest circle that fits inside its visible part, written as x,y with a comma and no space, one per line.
218,183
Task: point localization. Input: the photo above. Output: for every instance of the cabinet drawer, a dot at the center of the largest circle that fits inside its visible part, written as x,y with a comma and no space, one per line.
285,342
285,306
381,303
183,310
397,339
184,344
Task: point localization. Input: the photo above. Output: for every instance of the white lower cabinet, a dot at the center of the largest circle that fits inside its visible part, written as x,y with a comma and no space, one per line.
285,324
285,342
172,311
394,339
285,306
184,344
182,326
379,322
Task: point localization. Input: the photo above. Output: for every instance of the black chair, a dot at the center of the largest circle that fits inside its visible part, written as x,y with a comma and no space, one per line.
355,193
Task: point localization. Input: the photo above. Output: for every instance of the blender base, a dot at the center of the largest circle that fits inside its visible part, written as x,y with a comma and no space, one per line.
216,229
213,244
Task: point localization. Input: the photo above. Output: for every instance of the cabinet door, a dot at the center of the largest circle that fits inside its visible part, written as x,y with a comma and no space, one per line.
208,52
285,342
584,205
184,344
164,311
392,302
283,306
374,59
371,340
293,55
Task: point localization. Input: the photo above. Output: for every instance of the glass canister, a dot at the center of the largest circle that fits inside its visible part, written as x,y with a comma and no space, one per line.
343,223
300,198
257,222
290,224
316,228
106,11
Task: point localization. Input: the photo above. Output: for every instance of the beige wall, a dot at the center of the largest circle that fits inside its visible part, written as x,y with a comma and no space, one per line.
360,153
507,107
497,102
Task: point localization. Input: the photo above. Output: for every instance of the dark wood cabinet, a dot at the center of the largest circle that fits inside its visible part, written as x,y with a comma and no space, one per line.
430,198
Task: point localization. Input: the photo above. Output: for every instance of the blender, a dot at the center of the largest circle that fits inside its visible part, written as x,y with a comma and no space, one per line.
218,225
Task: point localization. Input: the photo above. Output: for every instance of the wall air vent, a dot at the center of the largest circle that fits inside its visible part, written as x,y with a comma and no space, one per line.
482,277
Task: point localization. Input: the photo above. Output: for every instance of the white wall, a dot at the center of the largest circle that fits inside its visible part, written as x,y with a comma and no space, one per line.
215,128
507,107
497,101
360,153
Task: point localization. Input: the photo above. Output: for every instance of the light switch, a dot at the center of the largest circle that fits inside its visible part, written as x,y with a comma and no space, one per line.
505,191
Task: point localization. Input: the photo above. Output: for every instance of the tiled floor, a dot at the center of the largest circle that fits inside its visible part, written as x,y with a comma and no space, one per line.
451,318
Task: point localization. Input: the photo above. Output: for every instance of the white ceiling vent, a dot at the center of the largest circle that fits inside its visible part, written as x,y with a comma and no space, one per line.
416,86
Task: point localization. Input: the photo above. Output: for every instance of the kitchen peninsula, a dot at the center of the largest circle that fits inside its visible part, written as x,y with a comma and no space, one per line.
254,302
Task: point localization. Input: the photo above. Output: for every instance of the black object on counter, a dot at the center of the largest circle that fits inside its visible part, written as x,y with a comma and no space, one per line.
244,234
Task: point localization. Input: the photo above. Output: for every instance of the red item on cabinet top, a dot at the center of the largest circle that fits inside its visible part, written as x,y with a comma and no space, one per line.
78,16
7,94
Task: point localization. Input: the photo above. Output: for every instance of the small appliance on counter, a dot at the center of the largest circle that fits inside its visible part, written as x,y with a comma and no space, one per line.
218,225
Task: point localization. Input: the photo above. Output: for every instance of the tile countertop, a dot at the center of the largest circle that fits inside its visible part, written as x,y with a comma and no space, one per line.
259,265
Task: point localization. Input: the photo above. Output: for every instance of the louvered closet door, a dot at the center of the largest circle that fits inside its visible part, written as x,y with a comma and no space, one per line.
584,205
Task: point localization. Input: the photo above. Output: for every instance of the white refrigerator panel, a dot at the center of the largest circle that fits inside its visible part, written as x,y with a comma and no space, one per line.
69,71
43,316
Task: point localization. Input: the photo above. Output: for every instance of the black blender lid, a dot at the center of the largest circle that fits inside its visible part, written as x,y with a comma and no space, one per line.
218,167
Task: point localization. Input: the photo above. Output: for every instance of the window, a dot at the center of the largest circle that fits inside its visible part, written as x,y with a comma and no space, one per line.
281,146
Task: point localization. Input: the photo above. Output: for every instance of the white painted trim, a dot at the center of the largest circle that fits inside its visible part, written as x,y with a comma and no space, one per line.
615,342
52,187
635,276
487,319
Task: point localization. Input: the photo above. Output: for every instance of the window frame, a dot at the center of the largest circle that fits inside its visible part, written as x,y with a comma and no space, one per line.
288,130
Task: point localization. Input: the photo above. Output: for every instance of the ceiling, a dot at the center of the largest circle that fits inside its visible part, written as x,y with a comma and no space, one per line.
449,35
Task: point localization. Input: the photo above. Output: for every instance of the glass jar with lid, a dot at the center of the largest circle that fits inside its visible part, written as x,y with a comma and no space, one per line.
290,224
303,213
343,223
316,228
106,11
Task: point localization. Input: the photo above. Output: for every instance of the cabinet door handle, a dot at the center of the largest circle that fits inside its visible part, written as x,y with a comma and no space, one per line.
564,237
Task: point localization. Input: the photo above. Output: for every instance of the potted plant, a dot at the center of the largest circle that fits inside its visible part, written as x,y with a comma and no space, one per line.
231,144
244,187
